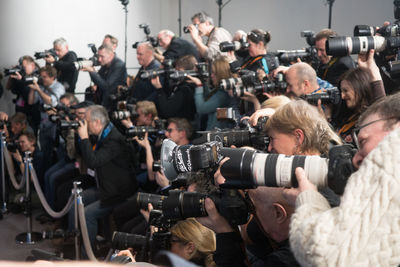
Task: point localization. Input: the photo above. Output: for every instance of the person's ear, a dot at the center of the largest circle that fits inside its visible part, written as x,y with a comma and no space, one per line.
299,135
280,213
189,249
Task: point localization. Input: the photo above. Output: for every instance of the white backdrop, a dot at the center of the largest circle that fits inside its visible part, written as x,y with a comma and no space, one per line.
32,25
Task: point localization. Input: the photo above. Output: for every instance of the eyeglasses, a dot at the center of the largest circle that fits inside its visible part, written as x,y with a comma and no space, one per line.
170,130
357,130
253,36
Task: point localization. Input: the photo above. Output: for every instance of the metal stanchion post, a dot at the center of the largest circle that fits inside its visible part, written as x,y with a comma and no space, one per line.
29,237
77,196
3,166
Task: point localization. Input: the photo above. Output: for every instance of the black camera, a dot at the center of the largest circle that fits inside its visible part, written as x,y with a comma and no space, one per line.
329,96
288,56
13,146
248,82
146,246
152,40
31,79
186,28
179,205
181,75
246,135
65,125
310,37
140,131
234,46
45,53
8,72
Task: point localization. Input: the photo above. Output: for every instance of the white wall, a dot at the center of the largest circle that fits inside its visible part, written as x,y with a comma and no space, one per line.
32,25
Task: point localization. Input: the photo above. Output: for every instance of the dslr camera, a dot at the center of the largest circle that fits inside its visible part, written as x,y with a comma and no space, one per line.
329,96
152,40
46,53
90,62
242,44
250,168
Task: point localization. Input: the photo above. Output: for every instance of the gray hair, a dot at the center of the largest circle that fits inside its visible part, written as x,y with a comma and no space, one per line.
203,17
106,47
60,41
98,112
167,33
147,45
305,72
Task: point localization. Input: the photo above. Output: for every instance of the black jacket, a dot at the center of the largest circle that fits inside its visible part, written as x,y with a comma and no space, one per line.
180,103
112,161
67,74
143,89
180,47
332,71
107,80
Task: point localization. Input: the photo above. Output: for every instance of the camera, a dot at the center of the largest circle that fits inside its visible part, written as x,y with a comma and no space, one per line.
343,46
234,46
13,146
245,135
46,53
248,82
8,72
31,79
165,70
329,96
310,37
288,56
65,125
90,62
124,111
201,73
152,40
140,131
250,168
179,205
186,28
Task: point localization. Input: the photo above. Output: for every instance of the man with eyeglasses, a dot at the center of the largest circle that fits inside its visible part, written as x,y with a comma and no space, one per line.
364,228
203,25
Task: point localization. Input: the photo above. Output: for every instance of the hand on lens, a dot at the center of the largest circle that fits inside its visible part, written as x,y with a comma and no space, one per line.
214,220
291,194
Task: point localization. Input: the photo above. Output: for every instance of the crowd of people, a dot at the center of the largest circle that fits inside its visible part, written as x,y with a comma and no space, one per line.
111,143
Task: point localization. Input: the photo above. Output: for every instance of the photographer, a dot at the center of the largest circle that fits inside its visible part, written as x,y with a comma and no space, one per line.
19,125
109,158
191,241
20,88
177,101
273,214
143,89
111,74
216,98
67,74
175,47
110,41
331,68
360,87
258,40
27,142
360,229
203,25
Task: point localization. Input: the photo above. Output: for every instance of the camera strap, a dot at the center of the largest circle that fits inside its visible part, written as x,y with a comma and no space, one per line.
333,61
251,62
265,65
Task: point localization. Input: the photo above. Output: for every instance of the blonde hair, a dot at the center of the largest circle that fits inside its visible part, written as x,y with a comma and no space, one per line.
190,230
298,114
221,68
275,102
147,107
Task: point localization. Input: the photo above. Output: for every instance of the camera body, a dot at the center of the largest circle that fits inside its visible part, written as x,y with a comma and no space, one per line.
242,44
248,82
329,96
152,40
18,68
89,62
46,53
124,111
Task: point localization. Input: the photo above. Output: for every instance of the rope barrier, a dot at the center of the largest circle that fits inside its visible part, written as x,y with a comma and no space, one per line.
84,231
43,200
10,168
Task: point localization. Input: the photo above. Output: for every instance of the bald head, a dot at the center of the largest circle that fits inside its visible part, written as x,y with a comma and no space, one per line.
301,79
144,54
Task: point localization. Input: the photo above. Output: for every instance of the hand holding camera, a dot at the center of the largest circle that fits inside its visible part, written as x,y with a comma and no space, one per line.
16,76
214,220
34,85
290,194
49,59
83,129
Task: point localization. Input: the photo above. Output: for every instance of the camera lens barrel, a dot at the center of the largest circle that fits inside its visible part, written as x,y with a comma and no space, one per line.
249,169
342,46
123,241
